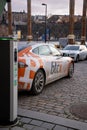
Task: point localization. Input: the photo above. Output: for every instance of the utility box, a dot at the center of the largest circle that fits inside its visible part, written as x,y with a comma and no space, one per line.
8,81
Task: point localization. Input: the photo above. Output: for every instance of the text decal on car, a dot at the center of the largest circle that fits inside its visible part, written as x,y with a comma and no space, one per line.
54,67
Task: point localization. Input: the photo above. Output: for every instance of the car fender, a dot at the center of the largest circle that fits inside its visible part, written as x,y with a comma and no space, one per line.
27,75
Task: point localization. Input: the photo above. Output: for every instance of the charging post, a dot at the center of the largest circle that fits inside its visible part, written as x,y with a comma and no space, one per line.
8,81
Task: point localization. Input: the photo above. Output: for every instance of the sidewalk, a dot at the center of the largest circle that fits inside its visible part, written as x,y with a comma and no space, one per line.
31,120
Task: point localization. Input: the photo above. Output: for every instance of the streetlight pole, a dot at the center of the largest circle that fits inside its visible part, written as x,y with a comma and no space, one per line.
45,19
83,33
29,37
71,36
9,18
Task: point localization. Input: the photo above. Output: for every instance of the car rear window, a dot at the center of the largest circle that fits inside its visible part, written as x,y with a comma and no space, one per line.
24,45
21,47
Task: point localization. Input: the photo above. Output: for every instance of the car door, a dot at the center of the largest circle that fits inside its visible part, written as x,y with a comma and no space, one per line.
50,63
56,63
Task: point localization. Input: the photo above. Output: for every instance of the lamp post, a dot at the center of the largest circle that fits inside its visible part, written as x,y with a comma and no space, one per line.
83,33
45,19
29,20
71,36
9,18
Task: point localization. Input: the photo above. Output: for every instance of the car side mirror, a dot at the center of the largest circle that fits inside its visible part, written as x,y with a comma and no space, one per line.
80,49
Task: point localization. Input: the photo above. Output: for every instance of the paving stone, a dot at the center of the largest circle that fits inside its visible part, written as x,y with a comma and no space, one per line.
36,122
38,128
71,129
19,118
4,128
25,120
36,115
28,126
17,128
57,127
47,125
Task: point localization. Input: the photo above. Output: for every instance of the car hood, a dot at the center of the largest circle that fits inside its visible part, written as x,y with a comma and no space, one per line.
69,59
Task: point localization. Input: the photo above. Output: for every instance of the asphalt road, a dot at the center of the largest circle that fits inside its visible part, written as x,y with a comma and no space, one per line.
59,96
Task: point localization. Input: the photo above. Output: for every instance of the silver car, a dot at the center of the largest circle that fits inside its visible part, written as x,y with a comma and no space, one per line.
77,52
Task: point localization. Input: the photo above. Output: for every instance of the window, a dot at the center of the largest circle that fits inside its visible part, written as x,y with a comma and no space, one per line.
21,47
54,51
44,50
36,50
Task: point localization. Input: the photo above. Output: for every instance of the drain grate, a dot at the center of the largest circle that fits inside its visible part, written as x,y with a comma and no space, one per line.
79,110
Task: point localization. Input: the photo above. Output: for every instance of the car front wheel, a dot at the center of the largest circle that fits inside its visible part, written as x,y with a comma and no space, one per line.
86,57
71,70
38,82
77,58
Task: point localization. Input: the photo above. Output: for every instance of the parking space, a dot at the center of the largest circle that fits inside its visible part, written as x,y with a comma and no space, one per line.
57,97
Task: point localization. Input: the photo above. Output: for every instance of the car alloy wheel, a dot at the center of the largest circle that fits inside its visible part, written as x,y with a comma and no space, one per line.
71,70
38,82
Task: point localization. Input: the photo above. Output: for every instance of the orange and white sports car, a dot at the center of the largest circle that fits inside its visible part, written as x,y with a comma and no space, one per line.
40,64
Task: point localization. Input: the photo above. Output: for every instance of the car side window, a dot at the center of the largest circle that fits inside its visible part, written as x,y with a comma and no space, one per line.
36,50
44,50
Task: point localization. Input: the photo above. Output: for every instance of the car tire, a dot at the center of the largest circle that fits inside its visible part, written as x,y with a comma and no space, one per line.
77,58
71,70
86,58
38,82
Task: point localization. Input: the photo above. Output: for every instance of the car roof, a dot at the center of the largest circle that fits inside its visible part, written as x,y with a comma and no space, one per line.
23,45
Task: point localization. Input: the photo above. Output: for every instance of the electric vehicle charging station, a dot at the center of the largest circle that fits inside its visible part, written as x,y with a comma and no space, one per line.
8,81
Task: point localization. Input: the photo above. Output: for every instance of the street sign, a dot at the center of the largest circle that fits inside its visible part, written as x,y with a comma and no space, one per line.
2,5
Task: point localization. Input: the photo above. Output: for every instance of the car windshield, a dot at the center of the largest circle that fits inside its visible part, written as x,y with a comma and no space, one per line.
71,48
54,51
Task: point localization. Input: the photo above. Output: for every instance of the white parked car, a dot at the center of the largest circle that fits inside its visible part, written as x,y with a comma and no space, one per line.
86,44
77,52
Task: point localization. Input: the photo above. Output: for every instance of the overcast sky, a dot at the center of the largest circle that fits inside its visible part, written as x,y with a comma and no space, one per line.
53,6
